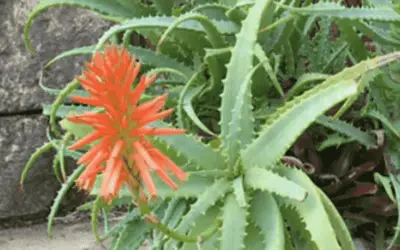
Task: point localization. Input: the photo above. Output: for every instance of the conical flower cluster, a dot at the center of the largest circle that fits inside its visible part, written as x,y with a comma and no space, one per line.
121,153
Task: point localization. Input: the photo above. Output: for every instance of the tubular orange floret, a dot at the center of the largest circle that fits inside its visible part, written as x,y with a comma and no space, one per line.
122,128
152,106
94,136
145,174
169,164
117,149
135,94
132,76
141,151
86,100
155,117
164,176
166,131
93,68
85,158
91,77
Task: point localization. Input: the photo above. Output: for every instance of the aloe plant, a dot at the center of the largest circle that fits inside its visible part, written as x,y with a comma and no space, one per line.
223,62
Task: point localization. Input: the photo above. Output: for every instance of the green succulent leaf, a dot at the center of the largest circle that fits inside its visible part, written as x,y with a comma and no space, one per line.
347,129
185,102
94,217
334,140
65,110
215,59
164,6
38,152
73,52
201,224
149,57
78,130
350,35
241,127
224,27
265,214
266,180
133,235
303,81
254,238
212,10
60,195
238,70
311,210
215,38
331,9
338,224
376,34
238,190
206,199
385,121
234,225
262,58
172,216
384,181
290,120
131,216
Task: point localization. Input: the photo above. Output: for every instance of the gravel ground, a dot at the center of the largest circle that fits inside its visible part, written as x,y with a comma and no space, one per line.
71,236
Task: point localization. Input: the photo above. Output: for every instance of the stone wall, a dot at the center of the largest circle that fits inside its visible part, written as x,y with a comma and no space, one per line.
22,127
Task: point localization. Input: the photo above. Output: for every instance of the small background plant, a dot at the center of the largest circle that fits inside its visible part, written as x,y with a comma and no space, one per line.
290,106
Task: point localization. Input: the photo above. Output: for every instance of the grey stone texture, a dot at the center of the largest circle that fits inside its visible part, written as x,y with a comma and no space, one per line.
56,30
19,136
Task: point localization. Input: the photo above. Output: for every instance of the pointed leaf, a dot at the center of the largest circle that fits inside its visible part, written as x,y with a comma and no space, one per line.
337,10
338,224
266,180
290,120
239,192
239,67
266,215
347,129
149,57
385,121
60,195
312,211
223,27
234,225
260,54
204,222
206,199
73,52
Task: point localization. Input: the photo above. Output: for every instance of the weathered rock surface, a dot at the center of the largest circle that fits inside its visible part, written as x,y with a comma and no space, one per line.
54,31
19,137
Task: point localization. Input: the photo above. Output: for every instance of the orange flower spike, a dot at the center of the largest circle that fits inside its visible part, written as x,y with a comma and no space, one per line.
121,128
